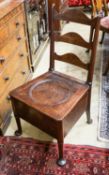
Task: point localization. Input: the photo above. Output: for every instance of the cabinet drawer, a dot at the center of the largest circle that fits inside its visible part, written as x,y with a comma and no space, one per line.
24,55
8,73
7,52
10,24
4,34
19,78
16,23
21,75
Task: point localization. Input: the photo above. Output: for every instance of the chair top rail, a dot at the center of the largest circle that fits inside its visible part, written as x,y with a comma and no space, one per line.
69,15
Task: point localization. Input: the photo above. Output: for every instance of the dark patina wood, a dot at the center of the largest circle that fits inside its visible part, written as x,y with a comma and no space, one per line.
59,5
54,101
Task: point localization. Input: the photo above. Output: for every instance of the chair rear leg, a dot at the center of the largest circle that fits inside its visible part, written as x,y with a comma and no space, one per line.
106,69
61,161
88,111
102,37
1,133
91,37
19,131
89,120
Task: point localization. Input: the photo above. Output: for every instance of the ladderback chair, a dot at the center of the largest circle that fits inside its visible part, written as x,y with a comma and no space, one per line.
100,8
54,101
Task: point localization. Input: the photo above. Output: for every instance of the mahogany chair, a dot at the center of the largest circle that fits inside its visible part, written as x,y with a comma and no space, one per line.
100,8
54,102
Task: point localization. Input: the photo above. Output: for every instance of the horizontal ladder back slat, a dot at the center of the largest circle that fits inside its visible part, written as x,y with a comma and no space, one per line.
71,59
73,38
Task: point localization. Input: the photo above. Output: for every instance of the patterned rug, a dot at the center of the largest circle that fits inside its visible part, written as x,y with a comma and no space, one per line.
103,132
78,2
25,156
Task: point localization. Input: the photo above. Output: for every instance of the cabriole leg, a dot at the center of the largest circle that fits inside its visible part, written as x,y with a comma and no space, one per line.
19,131
61,161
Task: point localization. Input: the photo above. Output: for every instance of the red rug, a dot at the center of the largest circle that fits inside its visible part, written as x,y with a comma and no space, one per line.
79,2
28,157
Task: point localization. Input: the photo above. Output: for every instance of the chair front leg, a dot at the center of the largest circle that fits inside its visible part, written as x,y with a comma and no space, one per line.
61,161
19,131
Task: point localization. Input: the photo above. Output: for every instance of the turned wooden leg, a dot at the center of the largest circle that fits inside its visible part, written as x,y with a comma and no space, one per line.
102,38
61,161
19,131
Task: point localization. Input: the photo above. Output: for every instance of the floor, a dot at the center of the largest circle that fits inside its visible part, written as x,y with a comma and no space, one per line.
81,133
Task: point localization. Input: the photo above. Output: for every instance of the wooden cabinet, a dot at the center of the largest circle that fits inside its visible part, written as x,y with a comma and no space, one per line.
15,67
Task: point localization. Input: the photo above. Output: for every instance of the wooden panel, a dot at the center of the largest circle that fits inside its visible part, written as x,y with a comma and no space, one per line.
10,23
11,10
8,73
8,29
16,23
20,77
23,74
7,52
4,34
19,59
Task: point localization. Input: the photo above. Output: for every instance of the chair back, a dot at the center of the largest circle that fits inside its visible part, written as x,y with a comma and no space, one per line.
99,7
76,16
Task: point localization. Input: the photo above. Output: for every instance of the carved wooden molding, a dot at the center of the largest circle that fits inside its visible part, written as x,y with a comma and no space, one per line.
12,14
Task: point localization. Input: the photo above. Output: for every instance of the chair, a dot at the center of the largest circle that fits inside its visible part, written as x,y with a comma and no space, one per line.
100,8
54,102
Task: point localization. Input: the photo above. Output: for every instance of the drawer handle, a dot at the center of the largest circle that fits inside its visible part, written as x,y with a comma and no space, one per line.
2,59
17,24
6,78
19,38
8,98
23,72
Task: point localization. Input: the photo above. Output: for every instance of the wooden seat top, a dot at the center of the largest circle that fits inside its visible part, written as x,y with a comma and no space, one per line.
52,93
